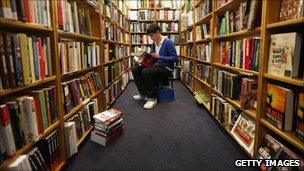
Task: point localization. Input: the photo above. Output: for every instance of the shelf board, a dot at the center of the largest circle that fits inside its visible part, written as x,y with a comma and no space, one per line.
202,81
166,21
204,20
240,70
288,136
27,147
197,3
136,9
119,59
202,61
140,44
250,112
142,21
80,106
84,136
189,87
167,8
203,40
228,6
294,81
298,21
32,85
65,75
77,36
239,34
9,23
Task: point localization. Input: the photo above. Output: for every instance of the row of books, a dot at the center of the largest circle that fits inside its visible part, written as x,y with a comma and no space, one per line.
272,149
186,19
241,127
114,34
113,52
224,112
137,50
37,12
140,38
187,78
245,17
230,85
284,109
139,27
286,55
203,52
203,72
25,118
114,70
108,126
202,32
187,36
167,14
75,56
26,59
76,91
203,10
173,26
122,5
78,125
73,19
243,54
291,10
174,37
142,15
151,4
221,3
115,89
44,156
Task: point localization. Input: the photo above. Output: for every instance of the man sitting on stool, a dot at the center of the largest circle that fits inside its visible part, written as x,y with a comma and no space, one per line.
147,79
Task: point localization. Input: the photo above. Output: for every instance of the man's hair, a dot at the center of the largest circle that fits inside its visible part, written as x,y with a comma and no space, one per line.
153,28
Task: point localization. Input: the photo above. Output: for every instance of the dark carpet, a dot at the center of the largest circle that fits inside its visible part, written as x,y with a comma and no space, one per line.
179,135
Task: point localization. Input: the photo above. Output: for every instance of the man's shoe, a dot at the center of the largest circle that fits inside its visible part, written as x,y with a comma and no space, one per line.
139,97
150,103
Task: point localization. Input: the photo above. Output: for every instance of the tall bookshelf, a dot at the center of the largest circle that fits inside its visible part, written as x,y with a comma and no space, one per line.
91,38
148,12
260,32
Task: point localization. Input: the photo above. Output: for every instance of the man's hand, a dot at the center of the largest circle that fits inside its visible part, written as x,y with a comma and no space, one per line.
155,55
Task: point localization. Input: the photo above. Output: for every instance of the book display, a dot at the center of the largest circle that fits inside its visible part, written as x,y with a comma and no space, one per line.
52,76
244,58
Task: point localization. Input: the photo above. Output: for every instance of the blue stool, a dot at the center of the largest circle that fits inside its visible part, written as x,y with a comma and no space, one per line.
165,93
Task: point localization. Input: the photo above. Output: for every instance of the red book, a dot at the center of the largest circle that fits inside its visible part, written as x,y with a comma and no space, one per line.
26,15
41,58
59,12
146,60
248,49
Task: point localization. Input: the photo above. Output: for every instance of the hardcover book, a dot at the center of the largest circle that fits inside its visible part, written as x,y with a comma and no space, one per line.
299,119
244,132
291,9
284,54
279,106
146,60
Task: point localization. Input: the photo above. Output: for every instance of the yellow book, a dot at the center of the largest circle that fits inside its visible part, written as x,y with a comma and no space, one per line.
25,59
31,59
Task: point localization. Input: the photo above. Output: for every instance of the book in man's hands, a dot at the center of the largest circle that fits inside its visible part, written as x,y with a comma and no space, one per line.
146,60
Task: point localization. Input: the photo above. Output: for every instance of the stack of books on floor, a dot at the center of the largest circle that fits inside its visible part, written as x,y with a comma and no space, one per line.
108,126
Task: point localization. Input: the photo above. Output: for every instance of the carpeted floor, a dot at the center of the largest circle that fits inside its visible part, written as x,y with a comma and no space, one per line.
179,135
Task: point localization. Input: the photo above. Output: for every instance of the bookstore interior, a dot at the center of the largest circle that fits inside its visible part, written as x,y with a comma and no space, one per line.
64,64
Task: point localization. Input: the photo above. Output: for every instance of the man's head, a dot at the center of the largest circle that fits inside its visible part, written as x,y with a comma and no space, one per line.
154,31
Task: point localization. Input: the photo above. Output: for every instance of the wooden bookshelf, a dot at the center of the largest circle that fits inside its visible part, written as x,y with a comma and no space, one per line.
57,35
268,25
84,136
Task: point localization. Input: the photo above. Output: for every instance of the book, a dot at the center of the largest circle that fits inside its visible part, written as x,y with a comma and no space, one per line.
108,117
284,54
146,60
243,131
299,119
291,9
270,148
279,106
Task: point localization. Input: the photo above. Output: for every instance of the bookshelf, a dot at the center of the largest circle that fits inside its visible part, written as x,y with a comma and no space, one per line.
90,37
166,15
195,70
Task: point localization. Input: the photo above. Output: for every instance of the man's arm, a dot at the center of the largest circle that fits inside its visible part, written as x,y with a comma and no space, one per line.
172,57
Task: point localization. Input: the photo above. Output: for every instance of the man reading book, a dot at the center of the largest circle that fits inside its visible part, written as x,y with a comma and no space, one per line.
147,78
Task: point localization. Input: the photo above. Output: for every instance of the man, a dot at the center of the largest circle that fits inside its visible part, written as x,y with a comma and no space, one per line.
147,79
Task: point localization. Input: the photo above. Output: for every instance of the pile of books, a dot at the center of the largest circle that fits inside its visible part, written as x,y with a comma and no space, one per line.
108,126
